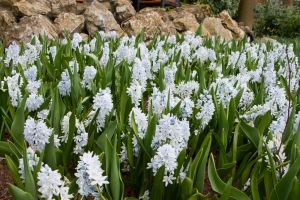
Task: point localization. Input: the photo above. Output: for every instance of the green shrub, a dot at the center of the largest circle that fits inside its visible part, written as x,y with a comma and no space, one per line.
275,19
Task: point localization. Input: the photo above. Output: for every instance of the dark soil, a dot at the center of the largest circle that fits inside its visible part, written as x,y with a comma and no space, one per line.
5,178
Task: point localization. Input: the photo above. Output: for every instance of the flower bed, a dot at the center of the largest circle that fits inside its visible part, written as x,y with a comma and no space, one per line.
113,118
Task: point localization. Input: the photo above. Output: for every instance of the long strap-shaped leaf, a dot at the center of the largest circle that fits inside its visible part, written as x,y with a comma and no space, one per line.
219,186
284,186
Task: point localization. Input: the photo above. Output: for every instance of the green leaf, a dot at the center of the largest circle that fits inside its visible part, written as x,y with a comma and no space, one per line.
283,188
158,185
14,171
186,188
17,127
219,186
251,133
19,194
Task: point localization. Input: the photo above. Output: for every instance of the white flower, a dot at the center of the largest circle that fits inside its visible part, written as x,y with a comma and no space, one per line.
12,53
64,85
32,160
102,102
135,91
105,55
33,86
77,39
81,139
187,89
65,126
43,114
31,73
88,77
36,133
14,83
141,121
90,175
172,131
50,184
165,156
34,101
207,108
186,107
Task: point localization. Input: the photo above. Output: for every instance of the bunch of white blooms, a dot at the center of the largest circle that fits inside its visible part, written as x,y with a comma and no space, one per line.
225,90
36,133
172,131
77,39
14,83
141,121
65,126
105,55
12,54
34,101
90,175
255,111
64,84
135,91
88,77
187,89
186,107
43,114
166,156
81,139
50,184
32,160
207,108
104,103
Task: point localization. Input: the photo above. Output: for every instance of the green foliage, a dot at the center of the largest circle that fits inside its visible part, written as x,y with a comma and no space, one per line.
219,5
276,19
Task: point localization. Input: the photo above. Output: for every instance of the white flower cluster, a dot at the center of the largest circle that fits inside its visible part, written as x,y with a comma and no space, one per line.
90,175
207,108
36,133
50,184
102,102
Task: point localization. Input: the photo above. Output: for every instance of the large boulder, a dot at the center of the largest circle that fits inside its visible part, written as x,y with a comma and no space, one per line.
7,22
124,10
59,6
69,22
201,11
212,26
99,18
184,21
32,7
154,21
232,25
34,25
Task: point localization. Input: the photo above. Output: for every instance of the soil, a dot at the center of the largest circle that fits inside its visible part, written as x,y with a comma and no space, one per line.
5,178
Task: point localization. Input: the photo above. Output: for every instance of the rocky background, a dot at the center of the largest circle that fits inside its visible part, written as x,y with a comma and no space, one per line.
20,19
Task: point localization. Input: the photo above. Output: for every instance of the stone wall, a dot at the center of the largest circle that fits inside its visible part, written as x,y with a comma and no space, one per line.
20,19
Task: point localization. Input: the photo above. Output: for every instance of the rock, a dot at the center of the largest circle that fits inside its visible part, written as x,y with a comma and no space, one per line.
84,36
7,22
153,20
232,25
33,25
124,10
99,18
266,39
8,2
212,26
69,22
59,6
184,21
32,7
200,11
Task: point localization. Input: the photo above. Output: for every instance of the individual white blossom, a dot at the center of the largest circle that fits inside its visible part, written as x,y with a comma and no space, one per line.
88,77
